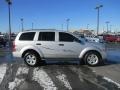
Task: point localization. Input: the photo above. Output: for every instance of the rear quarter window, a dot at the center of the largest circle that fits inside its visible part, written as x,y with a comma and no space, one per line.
28,36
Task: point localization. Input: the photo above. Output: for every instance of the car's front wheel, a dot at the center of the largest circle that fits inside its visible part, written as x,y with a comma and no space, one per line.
31,59
92,58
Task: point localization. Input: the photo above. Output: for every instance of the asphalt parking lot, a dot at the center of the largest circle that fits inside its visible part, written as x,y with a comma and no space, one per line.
52,77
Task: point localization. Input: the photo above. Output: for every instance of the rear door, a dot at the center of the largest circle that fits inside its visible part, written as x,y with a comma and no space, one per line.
46,43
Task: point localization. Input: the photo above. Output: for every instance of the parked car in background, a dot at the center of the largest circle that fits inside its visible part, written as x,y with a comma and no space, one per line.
82,38
118,38
92,38
110,38
2,42
35,46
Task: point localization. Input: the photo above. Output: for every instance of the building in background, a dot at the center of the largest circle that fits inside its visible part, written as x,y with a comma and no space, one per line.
83,31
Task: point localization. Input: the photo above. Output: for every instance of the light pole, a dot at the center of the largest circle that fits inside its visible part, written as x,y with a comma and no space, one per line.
62,26
67,21
32,25
98,11
9,10
107,25
110,28
22,21
87,26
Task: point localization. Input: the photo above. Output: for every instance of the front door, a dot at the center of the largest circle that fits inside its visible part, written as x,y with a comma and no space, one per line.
68,46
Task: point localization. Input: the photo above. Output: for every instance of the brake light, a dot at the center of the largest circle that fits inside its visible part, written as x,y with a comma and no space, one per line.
13,46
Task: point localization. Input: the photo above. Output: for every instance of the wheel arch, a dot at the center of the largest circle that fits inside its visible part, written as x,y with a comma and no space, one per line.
82,55
30,50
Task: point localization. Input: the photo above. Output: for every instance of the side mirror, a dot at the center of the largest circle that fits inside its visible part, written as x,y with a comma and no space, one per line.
77,40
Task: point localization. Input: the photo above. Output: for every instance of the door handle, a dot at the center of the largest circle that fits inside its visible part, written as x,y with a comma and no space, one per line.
61,44
38,43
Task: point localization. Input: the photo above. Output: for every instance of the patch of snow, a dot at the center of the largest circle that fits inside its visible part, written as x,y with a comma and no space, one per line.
109,80
62,78
3,69
22,70
43,79
15,83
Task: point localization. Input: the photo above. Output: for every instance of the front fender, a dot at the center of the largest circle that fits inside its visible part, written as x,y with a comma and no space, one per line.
84,51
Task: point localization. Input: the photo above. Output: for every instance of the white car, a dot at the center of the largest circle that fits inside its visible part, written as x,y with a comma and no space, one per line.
93,38
35,46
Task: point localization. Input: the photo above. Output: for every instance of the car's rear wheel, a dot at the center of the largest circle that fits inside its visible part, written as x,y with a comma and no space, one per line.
31,59
92,58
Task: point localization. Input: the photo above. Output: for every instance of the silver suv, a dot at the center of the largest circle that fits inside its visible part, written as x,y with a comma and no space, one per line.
36,46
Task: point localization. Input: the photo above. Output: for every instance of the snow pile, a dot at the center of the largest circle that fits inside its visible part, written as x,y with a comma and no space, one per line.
62,78
23,70
3,69
109,80
15,83
43,79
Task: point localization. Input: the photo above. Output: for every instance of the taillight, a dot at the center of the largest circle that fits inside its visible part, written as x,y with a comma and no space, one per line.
13,46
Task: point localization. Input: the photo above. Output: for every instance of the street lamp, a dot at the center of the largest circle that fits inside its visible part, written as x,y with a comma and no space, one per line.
32,25
62,26
98,10
67,21
9,4
107,25
22,20
110,28
87,26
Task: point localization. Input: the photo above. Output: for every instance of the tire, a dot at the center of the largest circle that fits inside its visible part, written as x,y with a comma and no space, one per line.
32,59
92,58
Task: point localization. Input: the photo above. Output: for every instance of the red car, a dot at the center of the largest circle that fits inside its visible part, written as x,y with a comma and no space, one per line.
118,39
110,38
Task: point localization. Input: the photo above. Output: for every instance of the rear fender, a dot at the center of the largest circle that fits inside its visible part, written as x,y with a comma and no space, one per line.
33,48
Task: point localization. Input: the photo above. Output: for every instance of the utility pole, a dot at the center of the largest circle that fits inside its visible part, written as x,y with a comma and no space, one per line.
67,21
62,26
9,10
107,25
87,26
22,21
32,25
110,28
98,11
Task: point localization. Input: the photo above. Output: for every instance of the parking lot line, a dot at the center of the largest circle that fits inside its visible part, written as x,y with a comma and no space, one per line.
3,69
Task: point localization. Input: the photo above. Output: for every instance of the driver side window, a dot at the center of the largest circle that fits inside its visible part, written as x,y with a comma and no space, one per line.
66,37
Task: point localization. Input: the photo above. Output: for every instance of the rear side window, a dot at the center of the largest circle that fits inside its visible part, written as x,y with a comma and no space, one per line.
65,37
28,36
46,36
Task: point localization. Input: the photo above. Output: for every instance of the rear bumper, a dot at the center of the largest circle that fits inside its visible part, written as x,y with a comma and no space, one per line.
16,54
